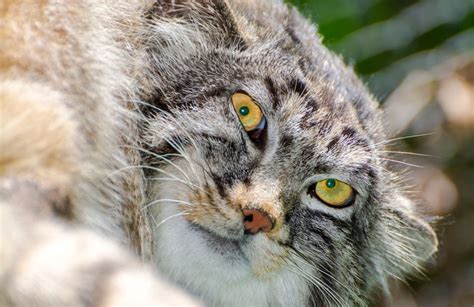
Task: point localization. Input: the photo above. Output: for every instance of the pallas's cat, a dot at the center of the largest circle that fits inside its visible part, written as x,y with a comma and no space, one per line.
218,140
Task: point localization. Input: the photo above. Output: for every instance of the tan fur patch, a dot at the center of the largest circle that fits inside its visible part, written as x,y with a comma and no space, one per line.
202,212
36,135
261,196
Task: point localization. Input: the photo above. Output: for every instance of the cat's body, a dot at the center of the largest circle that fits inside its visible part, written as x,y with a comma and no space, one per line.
119,116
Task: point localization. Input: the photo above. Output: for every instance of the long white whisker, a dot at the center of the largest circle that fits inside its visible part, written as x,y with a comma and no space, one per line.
403,163
184,154
403,138
170,217
163,158
174,165
406,153
188,184
166,200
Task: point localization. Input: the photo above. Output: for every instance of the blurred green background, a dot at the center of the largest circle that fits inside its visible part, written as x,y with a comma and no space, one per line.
385,39
417,57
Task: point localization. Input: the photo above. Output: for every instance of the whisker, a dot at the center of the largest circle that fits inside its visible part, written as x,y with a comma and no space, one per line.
172,142
329,275
318,283
184,154
403,138
166,200
295,269
402,162
147,105
161,157
407,153
132,167
174,178
171,217
187,184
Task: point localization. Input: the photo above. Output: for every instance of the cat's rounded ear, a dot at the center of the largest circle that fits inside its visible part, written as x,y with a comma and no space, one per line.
213,17
410,239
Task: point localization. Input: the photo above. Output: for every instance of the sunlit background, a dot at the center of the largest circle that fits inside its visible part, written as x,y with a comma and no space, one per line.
417,57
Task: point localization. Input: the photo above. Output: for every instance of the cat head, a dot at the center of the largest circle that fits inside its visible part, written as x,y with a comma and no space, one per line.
267,178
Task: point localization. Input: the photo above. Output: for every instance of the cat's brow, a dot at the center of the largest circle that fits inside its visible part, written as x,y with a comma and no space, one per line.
201,97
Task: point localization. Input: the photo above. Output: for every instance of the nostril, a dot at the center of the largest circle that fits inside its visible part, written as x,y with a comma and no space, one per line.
256,220
248,218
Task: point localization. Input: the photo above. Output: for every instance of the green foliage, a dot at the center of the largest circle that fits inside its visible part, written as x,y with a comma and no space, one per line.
385,39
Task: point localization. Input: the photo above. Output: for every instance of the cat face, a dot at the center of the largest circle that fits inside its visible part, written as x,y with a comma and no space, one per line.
267,184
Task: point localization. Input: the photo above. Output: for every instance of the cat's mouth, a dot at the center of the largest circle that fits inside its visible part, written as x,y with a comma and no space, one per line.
220,244
259,253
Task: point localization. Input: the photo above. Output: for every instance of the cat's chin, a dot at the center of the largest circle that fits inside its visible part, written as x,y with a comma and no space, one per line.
255,255
262,256
212,257
220,269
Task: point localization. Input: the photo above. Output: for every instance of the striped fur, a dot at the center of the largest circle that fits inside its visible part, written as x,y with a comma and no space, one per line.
121,137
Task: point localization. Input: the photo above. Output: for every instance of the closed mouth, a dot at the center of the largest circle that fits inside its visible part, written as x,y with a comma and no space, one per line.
224,246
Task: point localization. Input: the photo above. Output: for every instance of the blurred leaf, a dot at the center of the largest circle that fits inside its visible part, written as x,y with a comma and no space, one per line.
375,35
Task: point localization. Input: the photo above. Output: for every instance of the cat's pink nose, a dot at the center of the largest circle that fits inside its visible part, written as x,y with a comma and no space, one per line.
255,221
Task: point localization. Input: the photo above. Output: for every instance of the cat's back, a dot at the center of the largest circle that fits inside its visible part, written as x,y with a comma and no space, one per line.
69,72
63,65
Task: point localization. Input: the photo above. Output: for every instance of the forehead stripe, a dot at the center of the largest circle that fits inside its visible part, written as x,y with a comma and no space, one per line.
273,92
299,87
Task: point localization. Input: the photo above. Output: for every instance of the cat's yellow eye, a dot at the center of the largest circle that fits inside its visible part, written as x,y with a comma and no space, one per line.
334,193
250,114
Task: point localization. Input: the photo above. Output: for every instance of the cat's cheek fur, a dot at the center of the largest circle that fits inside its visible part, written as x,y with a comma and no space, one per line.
413,240
402,243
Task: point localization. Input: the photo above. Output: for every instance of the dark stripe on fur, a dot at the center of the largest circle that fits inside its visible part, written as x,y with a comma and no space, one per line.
348,132
299,86
273,92
291,33
334,220
333,143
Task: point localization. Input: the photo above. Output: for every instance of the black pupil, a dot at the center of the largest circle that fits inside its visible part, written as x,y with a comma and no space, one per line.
244,111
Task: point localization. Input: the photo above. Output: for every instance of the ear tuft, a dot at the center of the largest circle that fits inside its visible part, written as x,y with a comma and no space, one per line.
410,240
